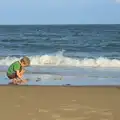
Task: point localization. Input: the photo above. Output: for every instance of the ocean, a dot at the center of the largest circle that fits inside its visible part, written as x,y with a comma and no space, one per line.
63,54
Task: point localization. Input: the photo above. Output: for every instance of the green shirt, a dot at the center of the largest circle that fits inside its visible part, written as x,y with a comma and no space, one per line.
14,67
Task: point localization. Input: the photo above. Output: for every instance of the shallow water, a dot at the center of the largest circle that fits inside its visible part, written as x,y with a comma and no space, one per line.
68,76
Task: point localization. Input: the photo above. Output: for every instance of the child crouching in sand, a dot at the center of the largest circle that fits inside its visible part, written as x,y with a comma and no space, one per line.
16,70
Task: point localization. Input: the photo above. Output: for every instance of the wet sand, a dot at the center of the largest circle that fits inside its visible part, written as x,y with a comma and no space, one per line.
59,103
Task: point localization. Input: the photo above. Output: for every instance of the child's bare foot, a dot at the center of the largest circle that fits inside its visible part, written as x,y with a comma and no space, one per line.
24,81
11,83
18,82
14,81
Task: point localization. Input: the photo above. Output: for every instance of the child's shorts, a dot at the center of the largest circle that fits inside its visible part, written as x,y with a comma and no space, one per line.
12,76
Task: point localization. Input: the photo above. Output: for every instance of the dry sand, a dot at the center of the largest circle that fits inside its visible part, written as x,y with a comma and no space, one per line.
59,103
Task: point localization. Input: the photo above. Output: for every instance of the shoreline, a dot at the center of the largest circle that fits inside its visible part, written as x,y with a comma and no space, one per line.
64,85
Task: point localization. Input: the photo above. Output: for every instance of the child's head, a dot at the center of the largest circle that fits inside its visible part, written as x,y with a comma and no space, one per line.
25,61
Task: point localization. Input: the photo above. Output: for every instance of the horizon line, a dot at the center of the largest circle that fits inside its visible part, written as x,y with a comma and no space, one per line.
64,24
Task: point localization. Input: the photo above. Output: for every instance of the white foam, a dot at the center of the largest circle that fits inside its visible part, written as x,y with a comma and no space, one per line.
60,60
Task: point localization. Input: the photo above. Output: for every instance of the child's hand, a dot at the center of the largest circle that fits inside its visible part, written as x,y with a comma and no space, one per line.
24,81
24,70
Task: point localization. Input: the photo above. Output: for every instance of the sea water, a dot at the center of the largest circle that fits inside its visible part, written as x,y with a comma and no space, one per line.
63,54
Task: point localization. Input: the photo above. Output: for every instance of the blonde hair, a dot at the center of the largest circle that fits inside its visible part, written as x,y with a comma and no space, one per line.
25,60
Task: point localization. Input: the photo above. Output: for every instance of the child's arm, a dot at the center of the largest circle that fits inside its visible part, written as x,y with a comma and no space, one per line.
18,74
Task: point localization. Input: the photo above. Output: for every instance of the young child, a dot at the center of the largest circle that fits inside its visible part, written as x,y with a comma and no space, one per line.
16,70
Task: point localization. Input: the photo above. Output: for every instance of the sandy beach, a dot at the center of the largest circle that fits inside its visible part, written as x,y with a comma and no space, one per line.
59,103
